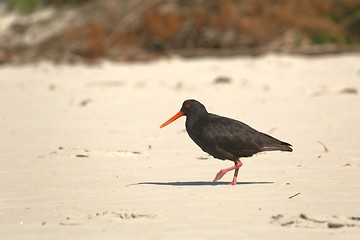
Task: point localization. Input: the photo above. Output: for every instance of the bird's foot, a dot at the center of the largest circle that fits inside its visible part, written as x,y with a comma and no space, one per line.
234,182
219,175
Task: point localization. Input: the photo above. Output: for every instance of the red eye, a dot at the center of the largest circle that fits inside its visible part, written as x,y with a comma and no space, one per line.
187,105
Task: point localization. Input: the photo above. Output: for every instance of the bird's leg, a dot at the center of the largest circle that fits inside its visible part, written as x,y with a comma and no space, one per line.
238,164
222,172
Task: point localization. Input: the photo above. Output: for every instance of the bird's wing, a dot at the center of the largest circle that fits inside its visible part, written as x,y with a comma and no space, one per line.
232,138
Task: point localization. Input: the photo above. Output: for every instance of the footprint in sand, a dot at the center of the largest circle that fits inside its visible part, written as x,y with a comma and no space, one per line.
304,221
85,153
105,215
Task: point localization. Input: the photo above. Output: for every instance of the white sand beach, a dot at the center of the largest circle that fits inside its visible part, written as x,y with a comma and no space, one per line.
82,155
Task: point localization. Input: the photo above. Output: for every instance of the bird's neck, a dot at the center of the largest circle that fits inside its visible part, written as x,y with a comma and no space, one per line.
193,121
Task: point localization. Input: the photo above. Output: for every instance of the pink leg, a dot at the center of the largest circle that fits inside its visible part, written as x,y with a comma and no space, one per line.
222,172
234,181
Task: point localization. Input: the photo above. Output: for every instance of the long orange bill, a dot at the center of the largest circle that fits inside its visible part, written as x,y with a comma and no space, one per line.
176,116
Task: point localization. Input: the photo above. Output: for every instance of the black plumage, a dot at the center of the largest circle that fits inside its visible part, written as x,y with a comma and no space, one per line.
225,138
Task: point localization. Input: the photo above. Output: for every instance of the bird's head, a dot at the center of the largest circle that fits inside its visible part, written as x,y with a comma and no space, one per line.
190,108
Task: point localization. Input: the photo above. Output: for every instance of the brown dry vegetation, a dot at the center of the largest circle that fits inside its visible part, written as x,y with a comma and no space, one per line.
135,30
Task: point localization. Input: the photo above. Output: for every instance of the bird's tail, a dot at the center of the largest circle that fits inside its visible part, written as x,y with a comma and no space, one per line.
281,146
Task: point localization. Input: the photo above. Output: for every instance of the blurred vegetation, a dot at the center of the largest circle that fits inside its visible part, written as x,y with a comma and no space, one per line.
25,6
28,6
144,29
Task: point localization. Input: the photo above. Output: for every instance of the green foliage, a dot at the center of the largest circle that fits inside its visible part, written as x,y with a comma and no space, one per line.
325,37
321,38
67,1
347,40
26,6
353,12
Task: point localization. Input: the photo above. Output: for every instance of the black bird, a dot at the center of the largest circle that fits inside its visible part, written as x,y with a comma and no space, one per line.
225,138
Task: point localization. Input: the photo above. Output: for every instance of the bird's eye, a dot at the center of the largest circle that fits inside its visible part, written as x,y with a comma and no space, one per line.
187,105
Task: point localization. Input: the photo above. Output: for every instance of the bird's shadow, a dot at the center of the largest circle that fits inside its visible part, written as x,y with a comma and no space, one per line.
198,183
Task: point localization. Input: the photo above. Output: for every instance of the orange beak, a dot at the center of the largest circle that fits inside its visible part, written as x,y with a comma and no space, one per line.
176,116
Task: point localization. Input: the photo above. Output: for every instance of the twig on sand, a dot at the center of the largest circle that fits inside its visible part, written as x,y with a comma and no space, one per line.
324,146
70,224
292,196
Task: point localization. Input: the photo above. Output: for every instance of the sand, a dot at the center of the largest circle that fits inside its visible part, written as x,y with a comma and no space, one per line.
82,155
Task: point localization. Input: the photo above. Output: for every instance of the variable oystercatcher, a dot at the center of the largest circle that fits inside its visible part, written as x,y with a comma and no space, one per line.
225,138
